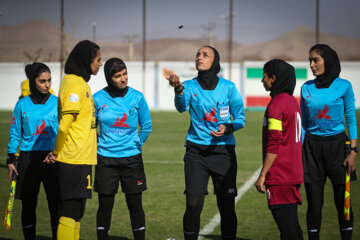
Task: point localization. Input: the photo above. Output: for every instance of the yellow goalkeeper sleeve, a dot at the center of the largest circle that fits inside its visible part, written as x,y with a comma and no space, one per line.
64,127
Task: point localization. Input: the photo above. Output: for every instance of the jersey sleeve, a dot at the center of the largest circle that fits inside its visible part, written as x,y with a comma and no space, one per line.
144,120
237,109
304,122
274,125
349,105
71,101
182,100
97,104
15,130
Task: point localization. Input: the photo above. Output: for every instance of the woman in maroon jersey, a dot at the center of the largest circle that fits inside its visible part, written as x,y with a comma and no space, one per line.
282,170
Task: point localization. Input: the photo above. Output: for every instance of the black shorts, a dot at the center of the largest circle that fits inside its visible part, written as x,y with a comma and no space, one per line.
75,181
323,157
129,171
219,162
32,171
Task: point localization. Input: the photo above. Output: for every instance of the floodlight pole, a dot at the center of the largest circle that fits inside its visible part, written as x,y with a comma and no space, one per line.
317,22
144,49
94,32
230,36
62,38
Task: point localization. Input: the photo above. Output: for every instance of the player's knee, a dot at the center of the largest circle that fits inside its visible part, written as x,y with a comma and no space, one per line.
73,209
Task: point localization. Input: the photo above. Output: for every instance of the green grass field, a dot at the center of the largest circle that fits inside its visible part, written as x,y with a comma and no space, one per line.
164,202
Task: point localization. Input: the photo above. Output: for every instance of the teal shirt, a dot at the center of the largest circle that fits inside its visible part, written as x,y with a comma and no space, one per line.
323,109
119,119
210,108
34,126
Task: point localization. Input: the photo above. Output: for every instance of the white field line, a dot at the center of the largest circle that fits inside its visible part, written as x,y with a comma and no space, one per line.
215,221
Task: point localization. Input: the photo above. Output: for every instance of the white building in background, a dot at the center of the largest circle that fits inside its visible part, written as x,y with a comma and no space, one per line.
160,96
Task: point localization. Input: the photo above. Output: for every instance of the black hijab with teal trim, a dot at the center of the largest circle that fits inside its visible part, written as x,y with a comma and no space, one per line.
285,80
80,58
34,70
208,79
332,65
112,89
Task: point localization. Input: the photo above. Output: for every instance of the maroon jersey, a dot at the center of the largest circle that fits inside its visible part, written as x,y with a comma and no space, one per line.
282,136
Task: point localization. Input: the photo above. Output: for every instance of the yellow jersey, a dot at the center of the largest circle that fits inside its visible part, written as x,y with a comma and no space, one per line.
80,145
25,89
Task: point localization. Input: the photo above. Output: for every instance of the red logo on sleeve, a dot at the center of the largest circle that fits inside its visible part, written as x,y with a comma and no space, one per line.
40,129
322,113
13,120
210,117
121,122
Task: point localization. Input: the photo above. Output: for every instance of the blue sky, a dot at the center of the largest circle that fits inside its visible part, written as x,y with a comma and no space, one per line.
254,20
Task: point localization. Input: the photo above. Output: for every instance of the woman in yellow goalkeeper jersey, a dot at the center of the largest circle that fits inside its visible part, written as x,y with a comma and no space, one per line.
75,148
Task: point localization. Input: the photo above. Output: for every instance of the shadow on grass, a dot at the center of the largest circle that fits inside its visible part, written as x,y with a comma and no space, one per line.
118,238
49,238
3,165
217,237
39,237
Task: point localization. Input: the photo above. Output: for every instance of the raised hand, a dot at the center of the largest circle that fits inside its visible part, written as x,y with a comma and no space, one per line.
175,82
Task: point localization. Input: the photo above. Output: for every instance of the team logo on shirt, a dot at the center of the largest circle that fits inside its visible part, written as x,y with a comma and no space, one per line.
210,117
13,120
40,129
87,95
322,113
121,122
140,182
74,97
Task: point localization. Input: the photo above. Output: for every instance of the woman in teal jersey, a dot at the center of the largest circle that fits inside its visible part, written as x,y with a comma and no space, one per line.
34,128
120,109
216,111
324,103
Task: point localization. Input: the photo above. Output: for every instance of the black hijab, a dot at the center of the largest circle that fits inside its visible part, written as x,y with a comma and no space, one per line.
80,58
332,65
27,70
208,79
112,66
285,80
33,72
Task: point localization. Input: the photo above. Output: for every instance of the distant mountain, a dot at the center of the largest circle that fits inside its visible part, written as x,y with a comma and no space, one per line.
40,40
178,49
295,45
35,40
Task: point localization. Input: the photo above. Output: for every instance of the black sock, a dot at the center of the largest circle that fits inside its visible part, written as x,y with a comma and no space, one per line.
287,221
28,218
191,220
103,215
315,199
137,215
346,226
228,224
54,217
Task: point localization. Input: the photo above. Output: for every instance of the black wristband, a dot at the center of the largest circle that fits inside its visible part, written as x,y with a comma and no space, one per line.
178,91
229,128
10,158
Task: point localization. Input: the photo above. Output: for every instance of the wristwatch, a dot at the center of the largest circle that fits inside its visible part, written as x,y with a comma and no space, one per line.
355,149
